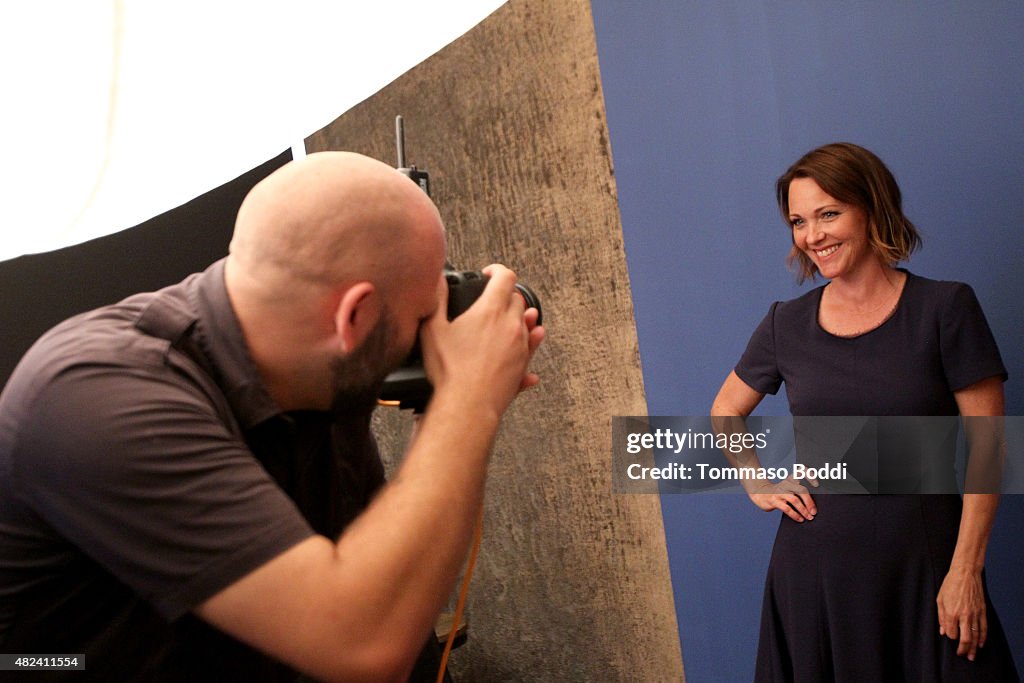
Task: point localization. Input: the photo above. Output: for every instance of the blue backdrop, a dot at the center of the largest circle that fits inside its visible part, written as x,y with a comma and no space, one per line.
707,104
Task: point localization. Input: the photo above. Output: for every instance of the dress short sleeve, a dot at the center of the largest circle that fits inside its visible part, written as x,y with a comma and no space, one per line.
968,348
759,367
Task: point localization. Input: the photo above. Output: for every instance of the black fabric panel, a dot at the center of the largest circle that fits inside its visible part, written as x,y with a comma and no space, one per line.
39,290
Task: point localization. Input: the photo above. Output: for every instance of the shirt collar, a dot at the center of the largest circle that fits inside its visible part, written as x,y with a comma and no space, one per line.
219,335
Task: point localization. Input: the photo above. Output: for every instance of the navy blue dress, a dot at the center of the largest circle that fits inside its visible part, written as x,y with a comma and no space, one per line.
851,595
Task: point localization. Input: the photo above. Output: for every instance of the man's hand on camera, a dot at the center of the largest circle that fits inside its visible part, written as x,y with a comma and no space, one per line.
484,353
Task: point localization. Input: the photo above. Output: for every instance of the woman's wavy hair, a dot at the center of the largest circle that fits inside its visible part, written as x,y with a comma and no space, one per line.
855,176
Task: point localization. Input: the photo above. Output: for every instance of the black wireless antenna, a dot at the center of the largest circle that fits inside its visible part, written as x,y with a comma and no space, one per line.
421,178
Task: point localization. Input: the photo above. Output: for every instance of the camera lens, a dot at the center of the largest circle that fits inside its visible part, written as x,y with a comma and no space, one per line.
531,299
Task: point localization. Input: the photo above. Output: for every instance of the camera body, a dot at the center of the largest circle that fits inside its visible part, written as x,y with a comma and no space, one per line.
408,386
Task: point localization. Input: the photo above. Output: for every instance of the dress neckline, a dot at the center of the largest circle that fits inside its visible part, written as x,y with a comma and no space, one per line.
892,314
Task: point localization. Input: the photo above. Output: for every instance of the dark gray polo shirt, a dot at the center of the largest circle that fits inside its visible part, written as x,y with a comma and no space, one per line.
143,468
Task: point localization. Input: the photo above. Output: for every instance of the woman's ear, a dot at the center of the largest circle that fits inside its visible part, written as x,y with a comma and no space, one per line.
356,315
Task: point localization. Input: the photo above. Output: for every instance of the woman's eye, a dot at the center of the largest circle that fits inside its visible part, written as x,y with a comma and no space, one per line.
828,215
796,222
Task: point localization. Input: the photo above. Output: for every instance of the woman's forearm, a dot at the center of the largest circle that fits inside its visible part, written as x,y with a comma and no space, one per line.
976,521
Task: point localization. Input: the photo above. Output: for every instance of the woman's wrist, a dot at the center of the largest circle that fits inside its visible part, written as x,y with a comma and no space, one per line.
966,566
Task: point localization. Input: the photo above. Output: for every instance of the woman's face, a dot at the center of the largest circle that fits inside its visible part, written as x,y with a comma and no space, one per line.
832,234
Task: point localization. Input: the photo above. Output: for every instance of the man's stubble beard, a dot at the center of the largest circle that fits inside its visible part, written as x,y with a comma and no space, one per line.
358,377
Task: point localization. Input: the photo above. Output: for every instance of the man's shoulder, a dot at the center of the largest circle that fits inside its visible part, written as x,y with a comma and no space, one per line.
99,357
136,331
107,337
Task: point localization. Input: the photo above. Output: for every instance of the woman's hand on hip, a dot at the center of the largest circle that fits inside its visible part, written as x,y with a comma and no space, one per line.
788,495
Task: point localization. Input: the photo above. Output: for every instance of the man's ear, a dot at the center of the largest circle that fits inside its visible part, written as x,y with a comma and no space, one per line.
357,314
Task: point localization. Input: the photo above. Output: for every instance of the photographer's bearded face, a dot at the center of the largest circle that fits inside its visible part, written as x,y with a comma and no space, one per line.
359,376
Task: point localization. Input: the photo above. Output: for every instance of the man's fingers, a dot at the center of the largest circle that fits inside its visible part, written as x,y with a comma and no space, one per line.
536,336
531,379
519,303
501,285
441,312
495,268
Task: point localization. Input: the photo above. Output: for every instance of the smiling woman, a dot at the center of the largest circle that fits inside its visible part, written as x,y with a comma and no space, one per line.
833,235
837,179
871,587
853,233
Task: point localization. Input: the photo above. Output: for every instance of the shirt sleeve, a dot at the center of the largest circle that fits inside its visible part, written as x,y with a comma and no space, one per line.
968,348
759,367
136,469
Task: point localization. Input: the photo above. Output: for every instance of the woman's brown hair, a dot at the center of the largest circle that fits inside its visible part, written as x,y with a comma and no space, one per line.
853,175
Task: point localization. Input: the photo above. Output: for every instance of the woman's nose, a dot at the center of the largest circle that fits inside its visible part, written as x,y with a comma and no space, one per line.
814,232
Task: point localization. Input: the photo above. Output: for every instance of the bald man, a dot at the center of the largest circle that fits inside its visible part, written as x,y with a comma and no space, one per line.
188,484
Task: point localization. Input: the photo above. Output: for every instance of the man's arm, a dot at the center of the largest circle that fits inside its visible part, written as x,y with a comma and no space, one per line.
361,608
